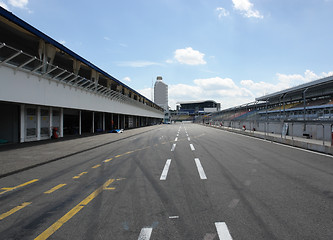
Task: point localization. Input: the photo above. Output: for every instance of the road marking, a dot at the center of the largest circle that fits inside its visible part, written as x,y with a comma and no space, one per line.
55,226
173,217
222,231
189,139
165,170
118,156
145,233
131,152
176,139
192,147
107,160
173,147
200,168
78,176
96,166
14,210
21,185
55,188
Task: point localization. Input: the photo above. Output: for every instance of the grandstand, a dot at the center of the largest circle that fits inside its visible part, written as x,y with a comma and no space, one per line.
306,105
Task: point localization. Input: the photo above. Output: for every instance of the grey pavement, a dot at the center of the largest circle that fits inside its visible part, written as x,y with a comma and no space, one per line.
20,157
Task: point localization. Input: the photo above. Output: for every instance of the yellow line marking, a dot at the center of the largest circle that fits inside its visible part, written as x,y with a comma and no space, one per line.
118,156
21,185
14,210
55,226
96,166
78,176
129,152
55,188
107,160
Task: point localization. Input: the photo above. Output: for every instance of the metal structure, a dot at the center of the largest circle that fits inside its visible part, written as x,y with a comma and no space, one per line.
46,86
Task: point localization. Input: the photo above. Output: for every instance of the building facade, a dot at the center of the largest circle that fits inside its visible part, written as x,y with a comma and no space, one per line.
46,87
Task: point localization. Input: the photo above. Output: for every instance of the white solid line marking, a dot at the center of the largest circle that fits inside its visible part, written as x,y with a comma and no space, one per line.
173,147
222,231
284,145
176,139
200,169
145,233
165,170
192,147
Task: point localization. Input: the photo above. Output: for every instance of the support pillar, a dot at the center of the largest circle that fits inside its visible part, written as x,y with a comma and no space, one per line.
103,122
38,123
50,121
93,122
80,122
22,123
118,122
61,122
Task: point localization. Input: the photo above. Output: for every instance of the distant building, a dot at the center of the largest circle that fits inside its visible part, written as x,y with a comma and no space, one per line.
161,93
198,107
161,97
190,110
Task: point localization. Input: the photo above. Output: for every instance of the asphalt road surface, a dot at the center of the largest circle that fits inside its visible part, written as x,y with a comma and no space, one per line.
180,181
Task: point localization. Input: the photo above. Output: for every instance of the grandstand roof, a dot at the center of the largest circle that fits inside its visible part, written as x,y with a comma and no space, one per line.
320,87
27,27
196,102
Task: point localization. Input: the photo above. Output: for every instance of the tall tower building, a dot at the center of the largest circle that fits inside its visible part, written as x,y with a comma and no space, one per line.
161,93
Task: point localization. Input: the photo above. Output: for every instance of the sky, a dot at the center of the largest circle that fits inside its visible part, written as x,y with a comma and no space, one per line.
230,51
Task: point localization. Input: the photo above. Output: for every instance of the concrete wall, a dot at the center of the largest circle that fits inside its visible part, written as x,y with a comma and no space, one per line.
21,87
319,131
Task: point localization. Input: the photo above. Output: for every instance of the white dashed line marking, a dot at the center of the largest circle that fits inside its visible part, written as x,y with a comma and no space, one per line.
145,233
173,147
200,169
223,231
192,147
165,170
176,139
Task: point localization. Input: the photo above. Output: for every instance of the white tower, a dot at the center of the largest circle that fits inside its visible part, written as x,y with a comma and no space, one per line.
161,93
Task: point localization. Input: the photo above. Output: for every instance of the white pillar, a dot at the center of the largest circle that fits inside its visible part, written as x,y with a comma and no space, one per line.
103,122
61,122
22,124
38,123
80,122
50,121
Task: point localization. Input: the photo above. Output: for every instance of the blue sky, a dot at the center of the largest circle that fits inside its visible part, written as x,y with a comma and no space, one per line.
230,51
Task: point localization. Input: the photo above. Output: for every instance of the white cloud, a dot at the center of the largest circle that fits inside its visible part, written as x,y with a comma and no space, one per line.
189,56
231,94
246,8
222,12
147,92
137,64
18,3
223,90
127,79
284,81
4,5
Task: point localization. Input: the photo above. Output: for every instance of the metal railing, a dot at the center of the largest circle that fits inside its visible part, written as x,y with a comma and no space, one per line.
18,60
